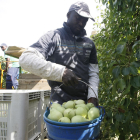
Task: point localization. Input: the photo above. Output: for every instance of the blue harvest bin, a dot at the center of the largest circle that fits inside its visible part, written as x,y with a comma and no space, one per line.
74,131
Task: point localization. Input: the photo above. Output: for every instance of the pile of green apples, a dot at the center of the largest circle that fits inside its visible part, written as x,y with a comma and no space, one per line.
75,111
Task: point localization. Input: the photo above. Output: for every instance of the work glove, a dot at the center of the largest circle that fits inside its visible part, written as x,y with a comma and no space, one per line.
69,78
94,101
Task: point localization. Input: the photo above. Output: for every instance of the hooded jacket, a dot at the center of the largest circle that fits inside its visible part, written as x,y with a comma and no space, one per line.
58,49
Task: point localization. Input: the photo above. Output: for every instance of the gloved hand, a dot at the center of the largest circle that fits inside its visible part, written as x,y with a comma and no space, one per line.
94,101
69,78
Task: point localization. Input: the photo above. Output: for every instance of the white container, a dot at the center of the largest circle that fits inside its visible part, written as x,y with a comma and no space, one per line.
21,114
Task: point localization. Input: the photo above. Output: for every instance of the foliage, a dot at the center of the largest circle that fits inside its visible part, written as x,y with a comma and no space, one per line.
118,47
3,65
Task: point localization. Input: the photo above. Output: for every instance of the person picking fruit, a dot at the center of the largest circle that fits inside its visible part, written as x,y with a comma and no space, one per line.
65,55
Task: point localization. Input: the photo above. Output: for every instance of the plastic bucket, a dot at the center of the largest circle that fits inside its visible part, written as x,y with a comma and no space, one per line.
74,131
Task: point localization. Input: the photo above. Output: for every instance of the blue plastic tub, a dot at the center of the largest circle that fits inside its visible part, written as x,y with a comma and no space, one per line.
74,131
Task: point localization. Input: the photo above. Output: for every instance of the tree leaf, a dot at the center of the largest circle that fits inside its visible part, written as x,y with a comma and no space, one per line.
129,37
134,128
119,117
135,44
109,114
112,63
120,48
133,70
132,105
138,113
126,102
138,54
135,64
135,81
116,71
131,138
121,84
125,70
128,116
117,124
122,102
114,88
127,89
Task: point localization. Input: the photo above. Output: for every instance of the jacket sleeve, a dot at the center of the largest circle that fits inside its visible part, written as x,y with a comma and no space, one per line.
34,59
93,80
93,74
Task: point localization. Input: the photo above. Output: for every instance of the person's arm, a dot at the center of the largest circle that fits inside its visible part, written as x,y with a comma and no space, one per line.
93,77
94,83
34,60
7,64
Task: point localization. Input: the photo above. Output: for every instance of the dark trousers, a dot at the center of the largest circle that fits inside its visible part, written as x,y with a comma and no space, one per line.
11,78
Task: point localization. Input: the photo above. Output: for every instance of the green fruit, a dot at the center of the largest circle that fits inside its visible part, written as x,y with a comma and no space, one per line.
49,116
81,111
54,105
78,119
93,113
79,102
82,105
75,101
69,113
64,120
52,109
63,105
90,105
55,115
60,109
74,110
69,104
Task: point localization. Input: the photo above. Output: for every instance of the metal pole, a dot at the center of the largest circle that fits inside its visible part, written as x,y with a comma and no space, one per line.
1,78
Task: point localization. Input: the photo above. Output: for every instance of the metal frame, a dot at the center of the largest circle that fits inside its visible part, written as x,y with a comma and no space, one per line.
1,76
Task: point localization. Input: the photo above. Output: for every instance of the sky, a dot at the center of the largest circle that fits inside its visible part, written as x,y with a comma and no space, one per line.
23,22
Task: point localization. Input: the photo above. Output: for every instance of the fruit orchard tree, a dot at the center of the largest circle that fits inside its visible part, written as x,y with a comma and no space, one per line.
118,48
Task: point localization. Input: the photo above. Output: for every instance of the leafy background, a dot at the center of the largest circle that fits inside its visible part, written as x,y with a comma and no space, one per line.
118,48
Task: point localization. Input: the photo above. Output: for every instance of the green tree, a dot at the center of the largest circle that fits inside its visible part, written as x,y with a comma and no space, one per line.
118,47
